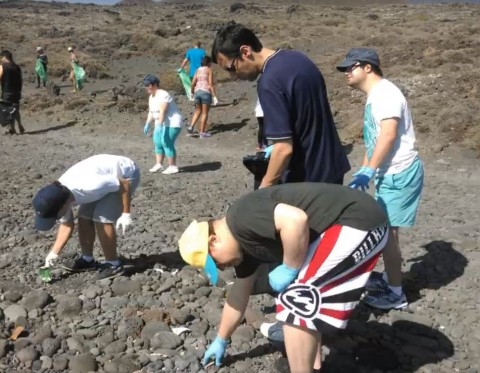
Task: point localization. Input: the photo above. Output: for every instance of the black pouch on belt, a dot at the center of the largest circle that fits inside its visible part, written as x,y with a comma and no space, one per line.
257,164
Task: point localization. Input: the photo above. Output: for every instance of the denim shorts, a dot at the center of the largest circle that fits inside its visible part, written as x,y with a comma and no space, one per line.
202,97
399,194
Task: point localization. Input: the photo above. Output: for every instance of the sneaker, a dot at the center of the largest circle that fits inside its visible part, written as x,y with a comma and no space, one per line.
170,170
107,270
386,300
190,131
205,134
156,168
376,282
273,331
79,265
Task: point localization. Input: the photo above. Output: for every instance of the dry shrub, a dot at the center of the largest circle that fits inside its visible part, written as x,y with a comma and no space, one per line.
170,81
221,76
456,120
144,41
334,22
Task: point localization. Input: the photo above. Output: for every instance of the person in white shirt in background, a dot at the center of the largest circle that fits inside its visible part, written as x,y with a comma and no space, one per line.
102,186
392,161
262,142
163,111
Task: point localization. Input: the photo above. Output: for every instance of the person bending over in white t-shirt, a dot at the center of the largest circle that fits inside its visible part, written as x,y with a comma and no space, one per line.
102,186
163,111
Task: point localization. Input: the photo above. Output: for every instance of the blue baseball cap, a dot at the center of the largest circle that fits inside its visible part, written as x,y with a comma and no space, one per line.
150,79
356,55
193,247
47,204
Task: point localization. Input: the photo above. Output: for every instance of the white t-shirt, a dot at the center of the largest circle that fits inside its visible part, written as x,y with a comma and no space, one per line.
258,109
386,101
173,118
95,177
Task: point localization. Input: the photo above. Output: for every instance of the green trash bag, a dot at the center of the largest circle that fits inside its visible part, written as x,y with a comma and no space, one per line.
187,83
40,70
80,75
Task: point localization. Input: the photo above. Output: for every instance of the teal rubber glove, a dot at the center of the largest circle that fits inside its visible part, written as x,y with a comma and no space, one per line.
268,151
360,171
216,350
281,277
362,179
146,128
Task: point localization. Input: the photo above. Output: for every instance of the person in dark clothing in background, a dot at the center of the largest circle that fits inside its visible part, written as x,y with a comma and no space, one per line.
11,82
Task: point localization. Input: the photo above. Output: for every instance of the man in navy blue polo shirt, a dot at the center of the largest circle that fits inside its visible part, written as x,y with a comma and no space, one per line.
297,115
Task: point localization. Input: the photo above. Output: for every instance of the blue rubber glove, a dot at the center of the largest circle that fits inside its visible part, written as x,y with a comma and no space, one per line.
217,350
362,179
268,151
281,277
146,128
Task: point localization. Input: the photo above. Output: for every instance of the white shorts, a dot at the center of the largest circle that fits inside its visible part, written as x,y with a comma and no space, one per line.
331,281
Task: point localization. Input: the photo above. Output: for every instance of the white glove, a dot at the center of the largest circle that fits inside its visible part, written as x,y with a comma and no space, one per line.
50,258
124,221
215,101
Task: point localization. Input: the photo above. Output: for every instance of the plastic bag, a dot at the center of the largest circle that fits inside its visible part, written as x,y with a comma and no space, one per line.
40,70
80,75
187,83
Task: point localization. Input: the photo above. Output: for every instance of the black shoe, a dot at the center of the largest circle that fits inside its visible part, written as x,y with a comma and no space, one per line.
79,265
107,270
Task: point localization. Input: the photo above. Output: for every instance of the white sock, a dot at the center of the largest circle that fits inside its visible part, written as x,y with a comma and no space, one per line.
385,277
396,289
114,263
87,258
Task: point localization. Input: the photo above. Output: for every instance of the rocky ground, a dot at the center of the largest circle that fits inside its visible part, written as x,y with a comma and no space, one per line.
129,324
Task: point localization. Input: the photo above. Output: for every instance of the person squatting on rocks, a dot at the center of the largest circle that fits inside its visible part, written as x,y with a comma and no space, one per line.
203,92
262,141
103,186
391,160
327,238
298,120
12,83
73,61
167,119
193,56
43,58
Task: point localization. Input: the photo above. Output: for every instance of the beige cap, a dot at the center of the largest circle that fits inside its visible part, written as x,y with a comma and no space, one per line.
70,49
193,247
39,49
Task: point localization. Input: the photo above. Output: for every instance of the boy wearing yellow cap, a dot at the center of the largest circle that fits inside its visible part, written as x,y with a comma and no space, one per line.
327,237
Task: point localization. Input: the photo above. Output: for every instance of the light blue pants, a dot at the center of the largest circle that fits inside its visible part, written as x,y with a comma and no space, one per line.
164,140
399,194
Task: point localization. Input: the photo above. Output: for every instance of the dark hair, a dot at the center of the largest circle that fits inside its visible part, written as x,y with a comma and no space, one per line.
206,61
198,44
376,69
231,37
150,79
7,54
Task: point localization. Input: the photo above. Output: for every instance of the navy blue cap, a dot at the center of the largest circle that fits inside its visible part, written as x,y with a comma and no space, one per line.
47,204
356,55
150,79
